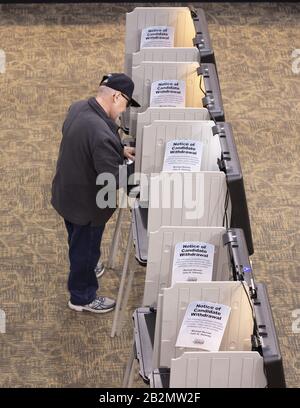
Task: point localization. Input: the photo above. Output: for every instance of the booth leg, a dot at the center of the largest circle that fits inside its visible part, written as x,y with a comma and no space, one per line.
115,241
129,372
116,318
125,300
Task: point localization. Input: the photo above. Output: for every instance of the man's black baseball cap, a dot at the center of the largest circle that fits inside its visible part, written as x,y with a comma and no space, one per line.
122,83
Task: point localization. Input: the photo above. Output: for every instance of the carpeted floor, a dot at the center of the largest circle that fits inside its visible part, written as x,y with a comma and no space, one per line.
56,54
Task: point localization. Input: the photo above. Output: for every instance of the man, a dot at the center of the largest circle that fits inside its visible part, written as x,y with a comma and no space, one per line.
90,146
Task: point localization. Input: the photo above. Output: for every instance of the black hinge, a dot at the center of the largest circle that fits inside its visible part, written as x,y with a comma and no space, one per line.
193,11
208,101
198,41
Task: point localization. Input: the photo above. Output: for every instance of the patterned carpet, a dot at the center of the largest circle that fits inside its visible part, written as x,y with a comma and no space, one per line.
56,54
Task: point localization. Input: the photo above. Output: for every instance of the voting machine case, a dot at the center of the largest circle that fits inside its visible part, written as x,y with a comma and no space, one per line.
230,164
235,241
139,220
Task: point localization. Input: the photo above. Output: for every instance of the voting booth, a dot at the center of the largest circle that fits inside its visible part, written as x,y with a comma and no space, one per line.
157,134
174,301
156,137
249,354
190,35
166,189
230,260
259,367
201,86
162,257
145,119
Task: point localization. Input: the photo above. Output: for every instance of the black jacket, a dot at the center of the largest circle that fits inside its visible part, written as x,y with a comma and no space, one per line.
90,146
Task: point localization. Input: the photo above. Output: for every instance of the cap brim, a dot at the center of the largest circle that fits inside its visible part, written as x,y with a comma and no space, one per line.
134,103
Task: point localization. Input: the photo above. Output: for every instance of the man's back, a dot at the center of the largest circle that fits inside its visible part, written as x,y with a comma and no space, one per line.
90,146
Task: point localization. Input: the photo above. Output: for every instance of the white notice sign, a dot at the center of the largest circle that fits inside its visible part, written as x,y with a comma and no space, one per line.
168,93
183,155
203,326
192,262
157,36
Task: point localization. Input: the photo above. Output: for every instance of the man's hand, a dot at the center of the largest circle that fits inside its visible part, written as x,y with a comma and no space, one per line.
129,153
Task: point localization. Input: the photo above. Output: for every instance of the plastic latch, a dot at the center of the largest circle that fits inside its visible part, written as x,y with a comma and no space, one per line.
193,12
208,101
198,41
222,165
199,71
215,130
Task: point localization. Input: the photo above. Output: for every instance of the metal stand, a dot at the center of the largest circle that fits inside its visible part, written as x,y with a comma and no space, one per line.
130,368
115,241
121,305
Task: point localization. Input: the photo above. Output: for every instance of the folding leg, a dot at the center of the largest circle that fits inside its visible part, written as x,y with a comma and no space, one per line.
129,372
125,299
115,241
116,319
131,378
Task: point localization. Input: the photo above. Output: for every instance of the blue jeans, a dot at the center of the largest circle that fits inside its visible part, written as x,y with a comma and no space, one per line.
84,253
